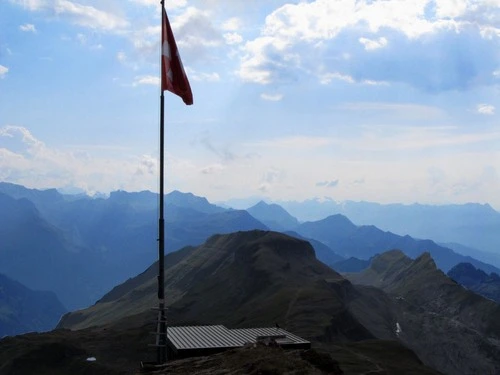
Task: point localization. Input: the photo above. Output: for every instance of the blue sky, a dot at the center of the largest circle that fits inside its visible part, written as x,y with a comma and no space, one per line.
387,101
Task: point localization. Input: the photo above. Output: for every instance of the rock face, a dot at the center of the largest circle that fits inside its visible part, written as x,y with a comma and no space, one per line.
450,328
477,280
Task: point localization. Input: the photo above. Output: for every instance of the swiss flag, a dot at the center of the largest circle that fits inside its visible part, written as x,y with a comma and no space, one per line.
173,76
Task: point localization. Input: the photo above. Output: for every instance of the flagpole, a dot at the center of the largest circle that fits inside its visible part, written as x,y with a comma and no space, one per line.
162,324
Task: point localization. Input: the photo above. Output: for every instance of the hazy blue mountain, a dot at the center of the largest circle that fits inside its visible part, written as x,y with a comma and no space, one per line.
477,280
474,225
38,255
24,310
323,252
483,256
273,216
351,265
82,247
349,240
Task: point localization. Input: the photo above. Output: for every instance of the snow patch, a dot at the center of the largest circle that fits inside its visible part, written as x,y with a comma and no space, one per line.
398,329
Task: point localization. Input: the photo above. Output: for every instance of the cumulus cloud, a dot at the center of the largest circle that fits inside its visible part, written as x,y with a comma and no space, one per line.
3,71
485,109
196,34
232,24
83,15
28,27
433,48
232,38
27,160
372,44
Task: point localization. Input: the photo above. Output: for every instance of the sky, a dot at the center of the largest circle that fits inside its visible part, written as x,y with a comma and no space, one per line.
379,100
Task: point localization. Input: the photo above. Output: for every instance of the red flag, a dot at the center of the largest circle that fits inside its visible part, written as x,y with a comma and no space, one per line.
173,76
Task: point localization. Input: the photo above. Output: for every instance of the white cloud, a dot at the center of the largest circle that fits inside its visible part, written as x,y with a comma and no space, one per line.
451,8
212,169
201,76
326,78
196,34
146,80
3,71
232,38
426,43
26,160
373,44
271,97
232,24
485,109
28,27
83,15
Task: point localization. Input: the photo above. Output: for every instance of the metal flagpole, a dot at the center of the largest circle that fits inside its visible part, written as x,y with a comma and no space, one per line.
162,324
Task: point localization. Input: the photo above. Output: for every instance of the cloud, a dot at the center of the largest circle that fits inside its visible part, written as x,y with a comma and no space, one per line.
232,38
427,49
3,71
485,109
326,78
147,165
146,80
328,184
212,169
26,160
201,76
271,97
196,34
272,177
371,44
79,14
28,27
232,24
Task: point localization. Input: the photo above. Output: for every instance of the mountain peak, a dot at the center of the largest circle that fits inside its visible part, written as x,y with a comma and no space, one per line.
274,216
425,260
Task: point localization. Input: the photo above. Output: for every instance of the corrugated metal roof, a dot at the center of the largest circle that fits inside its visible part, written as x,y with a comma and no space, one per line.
218,336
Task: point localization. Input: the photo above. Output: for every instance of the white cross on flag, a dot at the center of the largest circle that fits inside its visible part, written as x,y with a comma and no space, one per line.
173,76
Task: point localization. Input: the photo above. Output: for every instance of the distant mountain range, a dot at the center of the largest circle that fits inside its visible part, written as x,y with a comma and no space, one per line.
24,310
473,225
81,247
363,242
477,280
